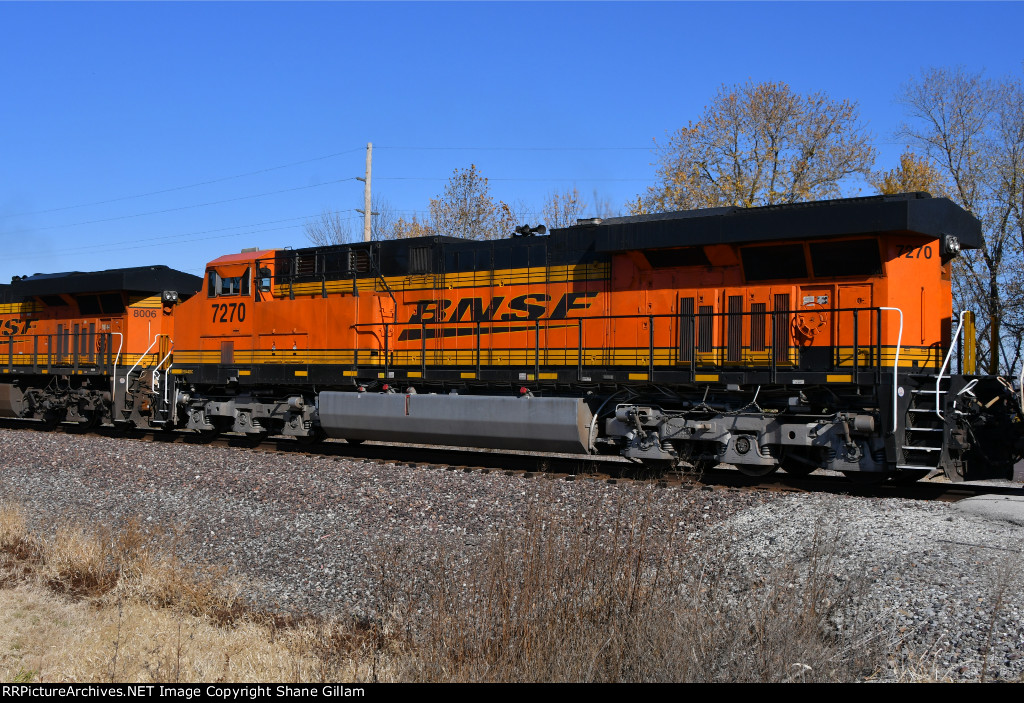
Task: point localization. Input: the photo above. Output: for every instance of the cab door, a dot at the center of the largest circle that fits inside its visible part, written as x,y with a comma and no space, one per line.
814,327
855,323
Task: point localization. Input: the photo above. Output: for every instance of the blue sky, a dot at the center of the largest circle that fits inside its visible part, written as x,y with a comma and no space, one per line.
111,115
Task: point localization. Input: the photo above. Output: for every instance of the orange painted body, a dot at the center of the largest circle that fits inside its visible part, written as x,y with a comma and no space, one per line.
545,319
133,329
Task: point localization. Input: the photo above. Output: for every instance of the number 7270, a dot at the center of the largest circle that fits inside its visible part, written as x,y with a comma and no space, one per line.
228,312
909,252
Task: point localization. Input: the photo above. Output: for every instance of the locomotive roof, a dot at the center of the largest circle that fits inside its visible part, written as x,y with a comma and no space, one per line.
596,240
140,279
907,212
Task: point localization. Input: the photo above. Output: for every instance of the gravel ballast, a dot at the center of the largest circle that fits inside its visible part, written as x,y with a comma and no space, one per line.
306,532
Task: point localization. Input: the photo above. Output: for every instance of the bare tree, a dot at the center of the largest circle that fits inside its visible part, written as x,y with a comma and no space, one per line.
602,207
331,227
971,129
383,219
562,209
760,144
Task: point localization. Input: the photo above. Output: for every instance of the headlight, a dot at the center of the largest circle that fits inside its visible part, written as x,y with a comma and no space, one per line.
950,246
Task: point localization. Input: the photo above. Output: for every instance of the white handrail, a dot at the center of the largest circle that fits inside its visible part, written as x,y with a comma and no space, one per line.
1020,385
143,356
113,379
895,367
166,374
949,354
156,372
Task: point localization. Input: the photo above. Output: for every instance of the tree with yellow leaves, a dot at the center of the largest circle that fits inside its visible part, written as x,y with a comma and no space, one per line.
467,209
915,173
760,144
414,227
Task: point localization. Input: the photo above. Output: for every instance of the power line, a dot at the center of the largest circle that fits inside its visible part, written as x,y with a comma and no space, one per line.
270,169
177,209
137,245
173,238
191,185
532,180
516,148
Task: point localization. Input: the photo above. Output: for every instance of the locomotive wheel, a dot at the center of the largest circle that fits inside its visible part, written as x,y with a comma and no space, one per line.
314,437
254,439
207,436
89,423
756,470
796,464
904,477
48,422
867,478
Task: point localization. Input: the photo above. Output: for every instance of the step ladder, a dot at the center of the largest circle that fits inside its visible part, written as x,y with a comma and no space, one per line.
924,428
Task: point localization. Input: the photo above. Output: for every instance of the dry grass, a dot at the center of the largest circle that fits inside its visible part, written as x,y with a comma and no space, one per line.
558,600
120,606
570,602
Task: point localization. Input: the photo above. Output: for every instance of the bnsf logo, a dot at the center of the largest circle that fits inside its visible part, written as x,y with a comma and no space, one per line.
13,327
532,306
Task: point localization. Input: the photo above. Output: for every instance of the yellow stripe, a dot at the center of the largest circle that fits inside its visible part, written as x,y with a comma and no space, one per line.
638,377
664,357
302,373
19,308
705,377
470,279
414,374
182,371
549,377
151,301
244,372
468,375
348,373
838,378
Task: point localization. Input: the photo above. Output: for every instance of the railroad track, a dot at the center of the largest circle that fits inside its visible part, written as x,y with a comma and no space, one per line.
561,467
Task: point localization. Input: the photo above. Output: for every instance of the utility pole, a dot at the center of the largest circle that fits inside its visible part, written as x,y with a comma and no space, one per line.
366,193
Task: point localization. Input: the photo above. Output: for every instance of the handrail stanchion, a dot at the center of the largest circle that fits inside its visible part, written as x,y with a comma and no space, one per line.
878,346
579,349
423,349
895,364
536,350
694,346
955,341
113,376
856,346
387,354
650,348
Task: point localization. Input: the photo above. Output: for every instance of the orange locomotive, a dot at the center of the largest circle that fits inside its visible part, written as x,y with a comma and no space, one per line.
800,336
86,348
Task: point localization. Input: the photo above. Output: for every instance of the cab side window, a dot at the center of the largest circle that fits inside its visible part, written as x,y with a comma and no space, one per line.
227,285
